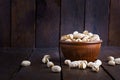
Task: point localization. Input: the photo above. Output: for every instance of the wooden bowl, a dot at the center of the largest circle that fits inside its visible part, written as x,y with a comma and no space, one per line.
80,50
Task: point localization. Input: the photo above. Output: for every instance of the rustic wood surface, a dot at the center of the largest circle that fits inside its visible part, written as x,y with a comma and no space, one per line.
38,70
72,16
10,60
47,24
10,69
4,23
87,74
114,26
96,20
22,28
39,23
114,71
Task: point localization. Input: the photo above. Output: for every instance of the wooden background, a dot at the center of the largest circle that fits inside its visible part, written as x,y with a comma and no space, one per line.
39,23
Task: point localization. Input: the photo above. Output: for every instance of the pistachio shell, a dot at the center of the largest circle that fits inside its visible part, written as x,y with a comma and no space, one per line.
25,63
50,64
111,63
56,68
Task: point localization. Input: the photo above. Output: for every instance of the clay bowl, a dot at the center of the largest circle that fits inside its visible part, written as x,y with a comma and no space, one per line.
81,50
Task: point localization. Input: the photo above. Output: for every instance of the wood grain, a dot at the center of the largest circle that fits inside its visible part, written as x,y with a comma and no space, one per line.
96,19
4,23
10,60
38,70
72,16
47,28
23,29
87,74
114,27
114,71
36,23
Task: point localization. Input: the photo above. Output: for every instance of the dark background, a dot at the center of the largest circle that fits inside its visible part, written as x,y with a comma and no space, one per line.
39,23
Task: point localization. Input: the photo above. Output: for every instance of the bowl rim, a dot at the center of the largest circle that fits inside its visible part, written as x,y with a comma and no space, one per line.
92,42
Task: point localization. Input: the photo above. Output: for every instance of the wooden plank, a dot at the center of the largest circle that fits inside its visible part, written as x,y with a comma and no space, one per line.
38,70
72,16
23,29
96,19
114,29
4,23
77,74
10,59
48,17
114,71
108,51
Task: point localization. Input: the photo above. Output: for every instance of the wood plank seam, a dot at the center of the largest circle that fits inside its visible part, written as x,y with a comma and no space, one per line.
20,67
15,72
35,23
84,15
10,23
108,73
108,43
61,74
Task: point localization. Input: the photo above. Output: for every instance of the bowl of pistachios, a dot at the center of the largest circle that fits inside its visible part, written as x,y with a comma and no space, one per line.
80,46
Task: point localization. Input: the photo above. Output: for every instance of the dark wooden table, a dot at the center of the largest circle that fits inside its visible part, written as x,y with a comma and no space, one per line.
10,69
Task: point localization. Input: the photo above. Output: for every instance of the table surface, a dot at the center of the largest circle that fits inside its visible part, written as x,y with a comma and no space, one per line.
10,69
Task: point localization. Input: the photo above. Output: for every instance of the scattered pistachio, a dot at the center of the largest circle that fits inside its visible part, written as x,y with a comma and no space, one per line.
25,63
56,68
117,60
50,64
111,63
80,37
